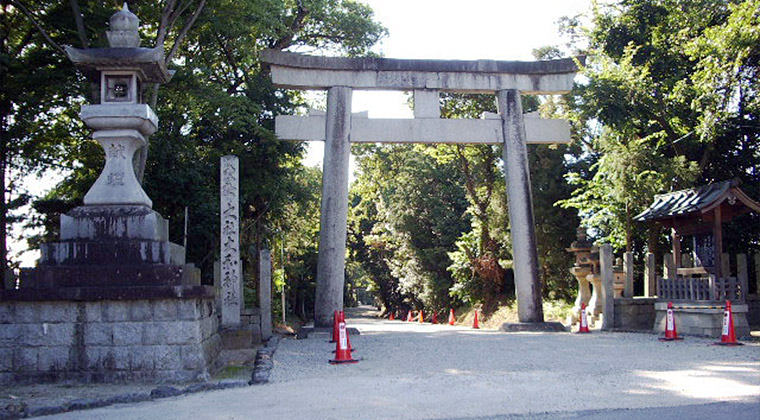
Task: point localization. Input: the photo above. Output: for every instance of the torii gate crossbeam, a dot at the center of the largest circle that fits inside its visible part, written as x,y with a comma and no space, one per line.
426,78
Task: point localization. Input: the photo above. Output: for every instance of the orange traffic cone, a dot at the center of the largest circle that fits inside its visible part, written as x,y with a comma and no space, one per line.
343,346
452,318
728,338
409,316
435,318
584,320
421,318
392,317
670,326
335,328
475,322
342,318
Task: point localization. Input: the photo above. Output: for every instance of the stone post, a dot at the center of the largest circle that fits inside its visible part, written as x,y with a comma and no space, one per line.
742,275
668,266
230,242
725,265
265,293
331,261
628,268
525,256
650,276
608,290
687,261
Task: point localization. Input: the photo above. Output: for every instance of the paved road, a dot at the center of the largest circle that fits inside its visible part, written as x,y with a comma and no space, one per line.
413,371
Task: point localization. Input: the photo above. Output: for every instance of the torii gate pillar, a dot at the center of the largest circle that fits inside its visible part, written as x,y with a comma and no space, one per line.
331,262
517,174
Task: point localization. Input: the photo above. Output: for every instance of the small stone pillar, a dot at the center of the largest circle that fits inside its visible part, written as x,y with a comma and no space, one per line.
687,261
618,277
725,264
650,276
628,267
517,174
608,291
331,260
265,293
742,275
231,273
668,266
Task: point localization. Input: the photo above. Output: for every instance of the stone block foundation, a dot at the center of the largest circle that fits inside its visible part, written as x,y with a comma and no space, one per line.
701,319
634,314
145,340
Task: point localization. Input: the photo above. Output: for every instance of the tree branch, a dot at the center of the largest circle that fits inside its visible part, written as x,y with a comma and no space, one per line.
163,26
185,29
81,31
36,24
233,63
287,40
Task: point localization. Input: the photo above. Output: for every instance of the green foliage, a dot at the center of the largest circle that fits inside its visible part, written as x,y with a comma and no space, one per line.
670,102
220,101
465,256
407,211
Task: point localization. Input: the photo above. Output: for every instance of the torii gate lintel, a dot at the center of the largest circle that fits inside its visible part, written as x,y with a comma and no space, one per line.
426,78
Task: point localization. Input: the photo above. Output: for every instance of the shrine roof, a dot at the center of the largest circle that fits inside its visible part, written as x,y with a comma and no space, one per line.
696,201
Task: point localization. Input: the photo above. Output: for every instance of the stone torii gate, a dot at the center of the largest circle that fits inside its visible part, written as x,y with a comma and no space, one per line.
338,127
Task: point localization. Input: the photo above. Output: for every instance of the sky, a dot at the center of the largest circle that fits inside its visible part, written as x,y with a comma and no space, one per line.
456,30
436,29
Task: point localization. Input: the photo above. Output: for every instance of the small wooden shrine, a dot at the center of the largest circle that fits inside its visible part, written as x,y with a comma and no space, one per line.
702,281
700,212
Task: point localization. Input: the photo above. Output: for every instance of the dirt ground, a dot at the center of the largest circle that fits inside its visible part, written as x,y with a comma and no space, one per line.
424,371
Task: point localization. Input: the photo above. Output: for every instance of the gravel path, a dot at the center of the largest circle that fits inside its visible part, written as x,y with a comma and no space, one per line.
422,371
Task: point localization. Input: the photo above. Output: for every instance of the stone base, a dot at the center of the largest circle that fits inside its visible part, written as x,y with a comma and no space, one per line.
703,319
634,314
109,276
532,327
131,340
236,338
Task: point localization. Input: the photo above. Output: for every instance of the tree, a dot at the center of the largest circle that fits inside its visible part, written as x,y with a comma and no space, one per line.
220,101
407,211
671,100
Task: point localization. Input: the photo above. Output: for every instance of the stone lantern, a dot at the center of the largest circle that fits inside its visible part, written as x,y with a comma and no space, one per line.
582,268
121,121
128,305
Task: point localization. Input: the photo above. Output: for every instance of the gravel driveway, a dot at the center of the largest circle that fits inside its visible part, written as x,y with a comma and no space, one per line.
423,371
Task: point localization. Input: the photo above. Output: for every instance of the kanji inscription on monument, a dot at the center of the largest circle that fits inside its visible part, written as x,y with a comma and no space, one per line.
230,240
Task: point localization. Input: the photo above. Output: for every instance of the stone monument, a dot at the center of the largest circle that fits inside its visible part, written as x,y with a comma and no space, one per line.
113,300
231,282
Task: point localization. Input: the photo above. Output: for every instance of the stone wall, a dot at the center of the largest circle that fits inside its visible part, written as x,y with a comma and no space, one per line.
702,319
164,340
634,314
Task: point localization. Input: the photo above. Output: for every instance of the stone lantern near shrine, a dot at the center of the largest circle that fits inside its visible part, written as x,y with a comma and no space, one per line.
582,269
122,302
122,122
